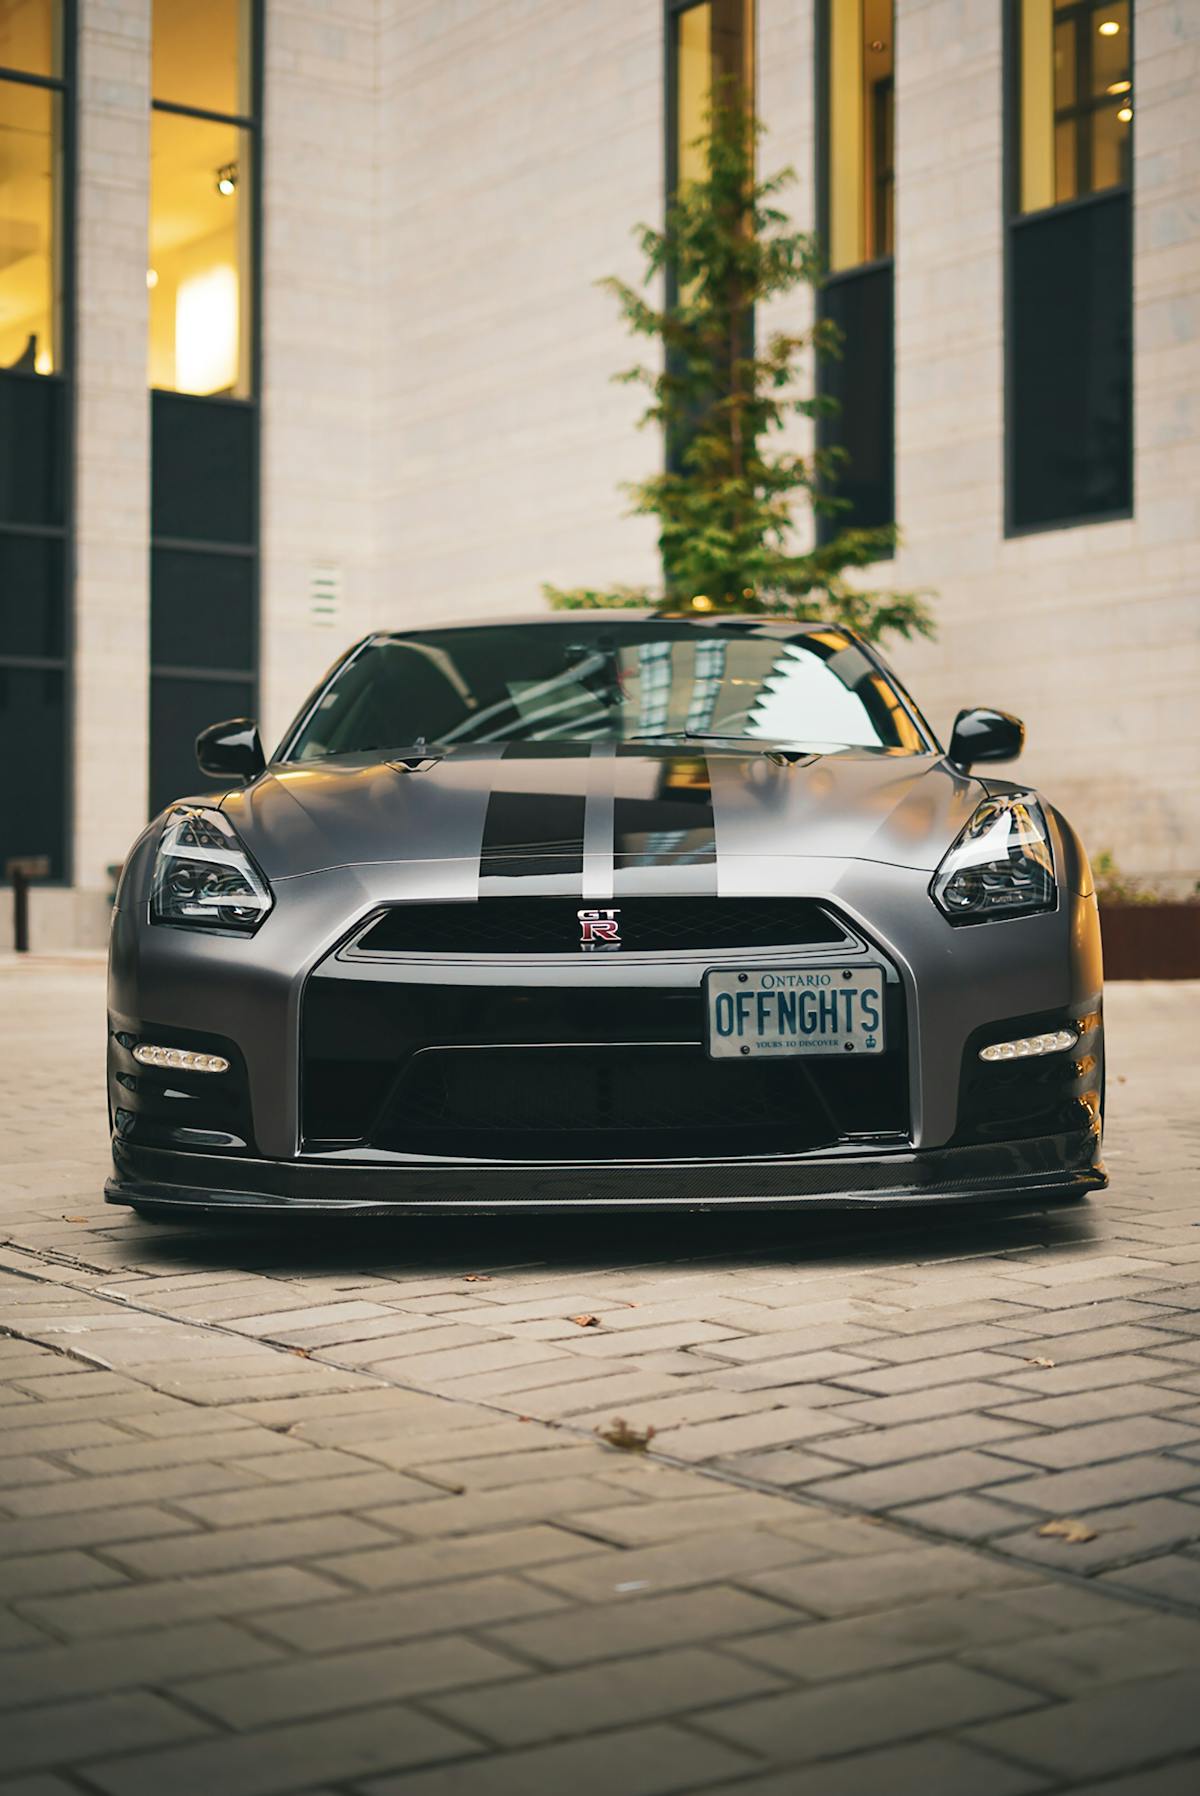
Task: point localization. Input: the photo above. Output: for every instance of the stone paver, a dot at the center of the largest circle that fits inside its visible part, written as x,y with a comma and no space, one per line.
327,1511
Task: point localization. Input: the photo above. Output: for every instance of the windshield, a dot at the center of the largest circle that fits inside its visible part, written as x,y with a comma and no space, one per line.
608,682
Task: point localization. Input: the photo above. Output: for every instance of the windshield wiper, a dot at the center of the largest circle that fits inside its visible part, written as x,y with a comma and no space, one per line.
692,736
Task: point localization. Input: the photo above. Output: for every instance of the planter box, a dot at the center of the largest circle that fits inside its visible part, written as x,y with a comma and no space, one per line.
1151,941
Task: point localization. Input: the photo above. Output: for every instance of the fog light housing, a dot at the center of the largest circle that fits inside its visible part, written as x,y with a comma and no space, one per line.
182,1060
1030,1047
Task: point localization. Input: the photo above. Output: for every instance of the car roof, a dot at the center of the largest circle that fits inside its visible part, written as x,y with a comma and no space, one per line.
742,621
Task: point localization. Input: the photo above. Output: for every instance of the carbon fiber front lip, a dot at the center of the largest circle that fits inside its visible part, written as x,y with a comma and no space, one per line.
1050,1167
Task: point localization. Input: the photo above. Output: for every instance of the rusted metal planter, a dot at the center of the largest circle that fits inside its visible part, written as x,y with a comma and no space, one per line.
1151,941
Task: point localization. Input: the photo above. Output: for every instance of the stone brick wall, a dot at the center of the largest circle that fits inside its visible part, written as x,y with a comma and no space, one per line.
520,145
112,464
1091,634
443,188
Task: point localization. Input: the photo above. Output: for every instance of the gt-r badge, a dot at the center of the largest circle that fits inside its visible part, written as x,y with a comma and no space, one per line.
599,929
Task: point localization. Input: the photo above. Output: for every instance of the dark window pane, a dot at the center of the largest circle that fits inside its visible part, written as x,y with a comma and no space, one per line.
203,475
32,457
1070,376
31,596
861,381
179,710
202,609
31,741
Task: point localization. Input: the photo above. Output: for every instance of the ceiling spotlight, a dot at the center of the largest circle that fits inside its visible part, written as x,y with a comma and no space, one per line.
152,277
1125,114
1118,87
227,179
1108,28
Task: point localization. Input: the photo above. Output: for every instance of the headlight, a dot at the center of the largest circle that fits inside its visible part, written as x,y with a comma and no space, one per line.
1001,865
203,877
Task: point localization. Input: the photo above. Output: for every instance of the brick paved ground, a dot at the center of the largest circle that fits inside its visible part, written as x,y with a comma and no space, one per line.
324,1510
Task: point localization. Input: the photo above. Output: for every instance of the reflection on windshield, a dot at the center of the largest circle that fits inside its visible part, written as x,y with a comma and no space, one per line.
608,683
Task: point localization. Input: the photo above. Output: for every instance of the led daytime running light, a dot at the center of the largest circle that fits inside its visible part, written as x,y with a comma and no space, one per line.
181,1059
1028,1047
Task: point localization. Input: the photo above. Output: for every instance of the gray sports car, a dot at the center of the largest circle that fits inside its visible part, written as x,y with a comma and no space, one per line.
605,909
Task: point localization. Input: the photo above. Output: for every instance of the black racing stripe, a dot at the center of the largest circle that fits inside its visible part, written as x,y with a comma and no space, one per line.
672,820
530,833
547,751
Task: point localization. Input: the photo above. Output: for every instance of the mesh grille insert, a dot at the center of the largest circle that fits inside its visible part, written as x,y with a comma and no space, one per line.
647,926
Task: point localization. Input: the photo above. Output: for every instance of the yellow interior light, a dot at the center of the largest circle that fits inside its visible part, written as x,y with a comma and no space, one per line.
1118,87
1108,28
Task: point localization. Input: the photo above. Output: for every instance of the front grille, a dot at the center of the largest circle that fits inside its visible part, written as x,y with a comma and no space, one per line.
647,926
511,1073
602,1103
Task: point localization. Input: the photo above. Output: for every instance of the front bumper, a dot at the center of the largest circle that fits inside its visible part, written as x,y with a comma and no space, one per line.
1051,1168
269,1151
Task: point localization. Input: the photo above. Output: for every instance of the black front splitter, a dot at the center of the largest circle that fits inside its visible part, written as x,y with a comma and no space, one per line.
1051,1168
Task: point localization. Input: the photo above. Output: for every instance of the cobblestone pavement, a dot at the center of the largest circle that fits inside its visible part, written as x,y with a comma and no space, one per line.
317,1510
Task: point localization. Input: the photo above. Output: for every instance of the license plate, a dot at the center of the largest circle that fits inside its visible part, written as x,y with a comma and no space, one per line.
784,1010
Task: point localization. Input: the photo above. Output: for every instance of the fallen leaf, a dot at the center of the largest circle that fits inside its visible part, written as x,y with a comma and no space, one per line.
585,1321
300,1352
477,1278
74,1218
1041,1362
630,1440
1068,1529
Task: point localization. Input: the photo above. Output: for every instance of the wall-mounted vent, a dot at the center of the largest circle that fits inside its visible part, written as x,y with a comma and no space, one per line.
325,583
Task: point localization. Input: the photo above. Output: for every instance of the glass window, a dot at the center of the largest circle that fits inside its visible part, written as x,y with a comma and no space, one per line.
714,41
30,36
202,54
693,76
199,330
200,272
203,610
32,737
179,710
29,229
860,131
1076,99
31,596
608,682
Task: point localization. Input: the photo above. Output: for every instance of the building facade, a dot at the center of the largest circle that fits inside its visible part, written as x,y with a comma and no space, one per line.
300,336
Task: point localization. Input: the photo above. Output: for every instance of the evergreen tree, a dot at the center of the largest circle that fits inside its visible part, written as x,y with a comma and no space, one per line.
725,502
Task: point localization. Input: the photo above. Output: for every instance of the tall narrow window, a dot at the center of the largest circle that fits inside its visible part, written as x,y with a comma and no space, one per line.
36,60
709,41
710,46
856,220
203,283
1070,273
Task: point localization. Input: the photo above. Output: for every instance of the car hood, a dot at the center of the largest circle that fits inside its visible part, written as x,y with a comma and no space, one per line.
559,808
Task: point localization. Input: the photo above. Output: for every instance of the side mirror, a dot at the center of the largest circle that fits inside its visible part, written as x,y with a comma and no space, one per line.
983,735
231,749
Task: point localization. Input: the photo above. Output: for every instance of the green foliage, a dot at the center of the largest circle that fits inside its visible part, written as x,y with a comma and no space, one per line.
725,503
1116,888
